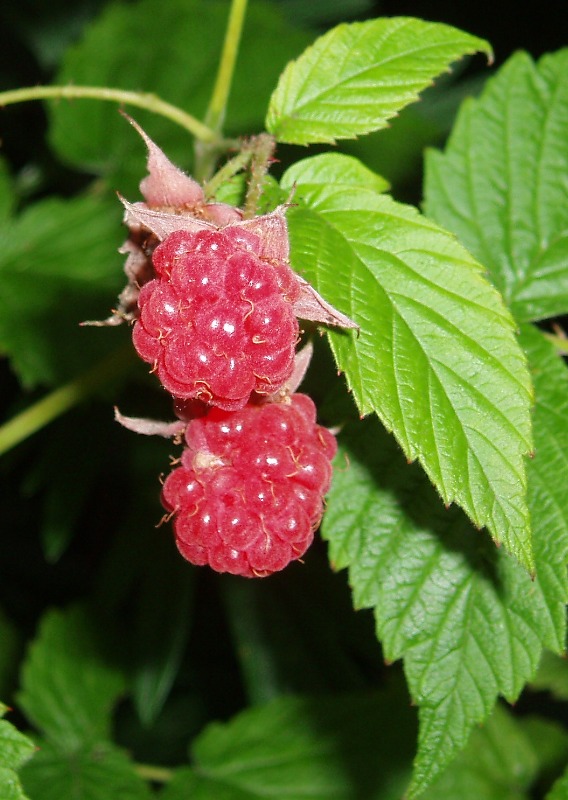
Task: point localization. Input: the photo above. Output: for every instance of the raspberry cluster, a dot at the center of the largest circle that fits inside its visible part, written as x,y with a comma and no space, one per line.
217,322
249,492
214,306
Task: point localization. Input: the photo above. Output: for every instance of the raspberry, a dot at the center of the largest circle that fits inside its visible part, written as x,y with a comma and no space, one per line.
217,323
248,495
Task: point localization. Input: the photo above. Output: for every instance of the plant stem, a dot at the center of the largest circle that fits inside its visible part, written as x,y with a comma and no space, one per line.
218,104
63,399
559,341
207,152
148,101
150,772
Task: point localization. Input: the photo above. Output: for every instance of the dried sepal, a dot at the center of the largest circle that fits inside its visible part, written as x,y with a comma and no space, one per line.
311,306
166,185
150,427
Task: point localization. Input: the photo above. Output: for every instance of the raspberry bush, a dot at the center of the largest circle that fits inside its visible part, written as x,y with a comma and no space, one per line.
329,399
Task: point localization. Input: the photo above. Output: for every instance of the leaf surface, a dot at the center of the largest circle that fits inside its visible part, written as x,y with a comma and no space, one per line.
357,76
467,620
500,184
68,688
436,357
59,266
100,772
15,750
499,763
339,748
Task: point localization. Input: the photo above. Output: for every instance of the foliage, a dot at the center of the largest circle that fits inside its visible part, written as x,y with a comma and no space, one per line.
446,526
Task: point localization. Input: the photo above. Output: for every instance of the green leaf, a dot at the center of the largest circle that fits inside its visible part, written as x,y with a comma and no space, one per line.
342,170
118,51
15,750
297,634
552,676
99,772
7,193
10,786
547,496
500,185
59,266
357,76
161,629
340,748
549,740
466,618
560,789
436,357
499,763
68,687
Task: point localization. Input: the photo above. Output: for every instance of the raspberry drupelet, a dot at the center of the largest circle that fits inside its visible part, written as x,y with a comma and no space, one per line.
218,323
248,495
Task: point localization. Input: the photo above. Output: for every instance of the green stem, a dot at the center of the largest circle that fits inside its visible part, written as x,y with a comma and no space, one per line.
560,343
216,111
63,399
148,101
207,153
151,772
227,171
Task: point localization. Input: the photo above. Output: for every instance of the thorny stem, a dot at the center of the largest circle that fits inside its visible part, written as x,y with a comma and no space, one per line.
146,100
63,399
226,172
263,152
206,153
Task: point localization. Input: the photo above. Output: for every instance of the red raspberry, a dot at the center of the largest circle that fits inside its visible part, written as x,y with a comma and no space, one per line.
218,322
249,492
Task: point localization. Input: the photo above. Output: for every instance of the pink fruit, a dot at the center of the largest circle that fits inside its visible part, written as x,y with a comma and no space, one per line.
218,322
248,495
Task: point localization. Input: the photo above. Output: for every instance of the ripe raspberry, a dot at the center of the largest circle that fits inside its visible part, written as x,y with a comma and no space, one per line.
249,492
218,322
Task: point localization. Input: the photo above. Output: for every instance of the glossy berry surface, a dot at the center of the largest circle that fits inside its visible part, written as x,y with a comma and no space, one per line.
248,495
217,323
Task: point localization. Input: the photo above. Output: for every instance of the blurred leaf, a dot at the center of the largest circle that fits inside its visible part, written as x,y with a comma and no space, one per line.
552,675
500,185
48,28
59,266
549,740
161,628
436,352
68,687
297,633
341,748
499,763
357,76
560,789
61,464
467,619
99,772
7,195
118,51
15,750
